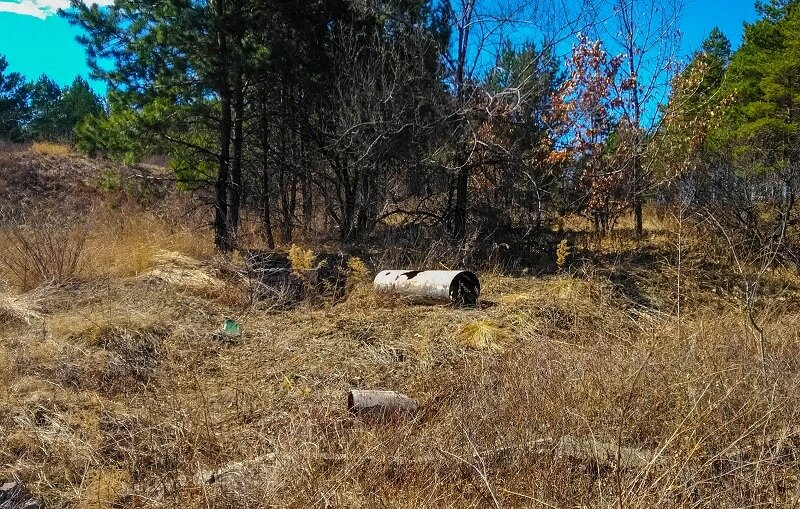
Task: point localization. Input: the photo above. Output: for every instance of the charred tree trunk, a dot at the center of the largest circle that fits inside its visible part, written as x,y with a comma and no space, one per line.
285,174
349,205
365,215
306,188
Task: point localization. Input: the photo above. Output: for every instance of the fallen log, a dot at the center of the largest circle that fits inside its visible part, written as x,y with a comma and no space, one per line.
459,287
586,451
604,454
361,402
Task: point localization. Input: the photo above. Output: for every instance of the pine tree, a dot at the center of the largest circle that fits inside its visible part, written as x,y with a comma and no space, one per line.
754,188
763,126
179,67
14,109
56,112
44,97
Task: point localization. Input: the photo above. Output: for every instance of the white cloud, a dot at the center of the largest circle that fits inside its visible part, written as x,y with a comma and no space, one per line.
39,8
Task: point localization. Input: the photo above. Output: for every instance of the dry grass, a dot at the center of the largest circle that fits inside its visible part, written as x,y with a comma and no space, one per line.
49,148
129,399
483,335
184,272
53,249
105,489
119,393
123,246
21,309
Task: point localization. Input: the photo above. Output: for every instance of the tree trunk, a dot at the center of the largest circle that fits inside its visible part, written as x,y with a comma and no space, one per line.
287,177
221,227
347,222
265,187
221,236
637,217
235,189
459,225
460,211
638,187
307,191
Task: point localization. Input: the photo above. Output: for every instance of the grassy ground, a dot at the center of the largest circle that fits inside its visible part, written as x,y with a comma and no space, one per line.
117,391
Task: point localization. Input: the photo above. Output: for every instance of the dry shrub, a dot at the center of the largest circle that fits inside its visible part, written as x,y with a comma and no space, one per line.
359,278
50,148
43,249
562,253
301,259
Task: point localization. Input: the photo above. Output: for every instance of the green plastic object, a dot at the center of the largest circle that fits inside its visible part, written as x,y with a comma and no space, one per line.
231,328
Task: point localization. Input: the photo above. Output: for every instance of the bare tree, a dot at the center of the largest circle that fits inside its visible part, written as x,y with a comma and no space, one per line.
481,29
646,33
381,112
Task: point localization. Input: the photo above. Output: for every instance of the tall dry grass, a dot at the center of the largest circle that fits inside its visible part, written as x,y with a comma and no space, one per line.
54,249
714,431
122,246
49,148
268,415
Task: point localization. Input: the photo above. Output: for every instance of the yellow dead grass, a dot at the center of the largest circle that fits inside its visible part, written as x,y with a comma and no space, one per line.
49,148
24,308
483,335
105,489
123,247
184,272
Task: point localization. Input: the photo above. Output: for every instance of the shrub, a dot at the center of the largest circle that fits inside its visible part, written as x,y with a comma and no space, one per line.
42,250
301,259
562,253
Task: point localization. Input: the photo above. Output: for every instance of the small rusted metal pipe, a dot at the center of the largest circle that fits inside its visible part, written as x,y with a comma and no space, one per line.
460,287
361,402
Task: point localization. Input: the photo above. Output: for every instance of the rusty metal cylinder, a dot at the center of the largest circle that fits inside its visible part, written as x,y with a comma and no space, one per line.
361,402
459,287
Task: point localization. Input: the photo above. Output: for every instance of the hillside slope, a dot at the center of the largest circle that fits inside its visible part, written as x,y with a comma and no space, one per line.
30,180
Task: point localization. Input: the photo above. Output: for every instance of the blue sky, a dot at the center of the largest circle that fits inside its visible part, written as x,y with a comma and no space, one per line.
700,16
35,40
